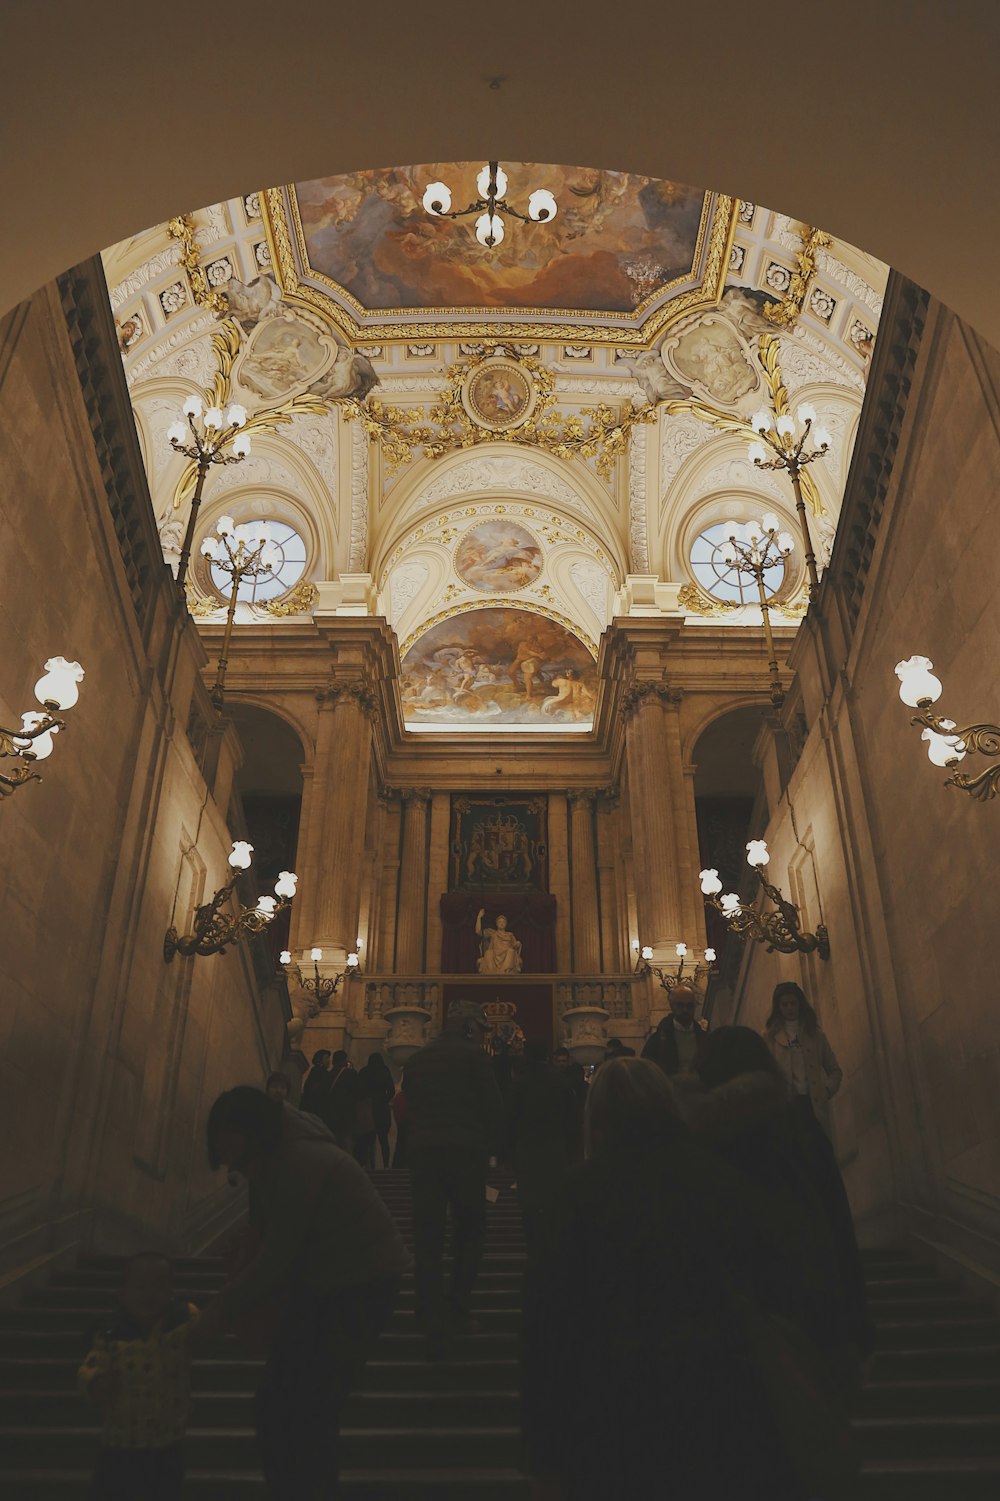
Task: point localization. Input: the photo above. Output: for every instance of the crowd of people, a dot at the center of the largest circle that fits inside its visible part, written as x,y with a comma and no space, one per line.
692,1267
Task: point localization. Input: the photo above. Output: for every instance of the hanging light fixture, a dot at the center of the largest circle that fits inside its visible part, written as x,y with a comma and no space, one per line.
491,184
204,435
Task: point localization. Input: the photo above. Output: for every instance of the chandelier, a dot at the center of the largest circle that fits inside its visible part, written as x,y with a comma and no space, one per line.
790,443
491,185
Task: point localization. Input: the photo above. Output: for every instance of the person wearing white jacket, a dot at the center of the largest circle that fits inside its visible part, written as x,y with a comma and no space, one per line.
802,1051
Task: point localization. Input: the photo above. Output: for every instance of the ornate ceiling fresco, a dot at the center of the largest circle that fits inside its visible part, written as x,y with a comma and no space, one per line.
481,444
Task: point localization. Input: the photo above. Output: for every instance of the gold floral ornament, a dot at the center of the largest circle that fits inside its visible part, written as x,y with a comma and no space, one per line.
469,412
182,229
695,602
786,312
298,601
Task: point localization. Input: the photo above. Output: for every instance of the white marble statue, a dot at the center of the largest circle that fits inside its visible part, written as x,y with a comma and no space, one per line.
500,950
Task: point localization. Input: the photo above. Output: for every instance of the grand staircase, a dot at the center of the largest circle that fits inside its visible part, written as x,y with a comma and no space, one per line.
929,1424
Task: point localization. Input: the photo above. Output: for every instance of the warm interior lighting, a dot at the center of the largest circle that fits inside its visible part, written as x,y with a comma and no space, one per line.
58,687
917,684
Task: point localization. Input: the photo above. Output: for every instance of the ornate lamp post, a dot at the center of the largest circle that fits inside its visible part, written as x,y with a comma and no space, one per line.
780,929
492,187
753,550
244,552
947,745
670,980
56,690
215,930
790,443
204,437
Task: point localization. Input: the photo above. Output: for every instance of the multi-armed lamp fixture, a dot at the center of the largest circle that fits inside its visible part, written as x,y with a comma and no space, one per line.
56,690
753,550
205,435
492,187
243,552
215,930
321,987
672,978
779,929
947,745
790,443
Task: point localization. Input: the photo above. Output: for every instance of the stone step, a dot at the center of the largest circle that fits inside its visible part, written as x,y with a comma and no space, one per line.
500,1314
975,1436
930,1480
408,1447
931,1398
503,1290
242,1374
948,1332
375,1484
919,1362
397,1343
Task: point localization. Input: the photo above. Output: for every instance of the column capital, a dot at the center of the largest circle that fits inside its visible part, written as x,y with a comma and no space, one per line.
415,795
583,796
357,688
638,694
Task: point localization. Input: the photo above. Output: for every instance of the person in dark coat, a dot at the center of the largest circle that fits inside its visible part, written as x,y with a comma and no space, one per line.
675,1043
638,1379
746,1114
544,1131
340,1106
454,1119
316,1084
376,1088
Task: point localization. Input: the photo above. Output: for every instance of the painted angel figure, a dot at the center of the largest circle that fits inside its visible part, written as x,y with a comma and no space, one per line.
500,951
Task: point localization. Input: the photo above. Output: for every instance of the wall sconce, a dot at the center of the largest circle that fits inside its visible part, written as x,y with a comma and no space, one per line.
783,442
322,988
754,549
671,980
778,929
243,552
204,435
214,930
56,690
947,745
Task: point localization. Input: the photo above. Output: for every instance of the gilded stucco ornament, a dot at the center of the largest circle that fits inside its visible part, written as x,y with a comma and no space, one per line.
182,229
785,314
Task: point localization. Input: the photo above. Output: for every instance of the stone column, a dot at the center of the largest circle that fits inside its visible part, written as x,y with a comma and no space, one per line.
654,826
681,789
411,927
338,808
385,953
609,897
586,922
559,879
437,876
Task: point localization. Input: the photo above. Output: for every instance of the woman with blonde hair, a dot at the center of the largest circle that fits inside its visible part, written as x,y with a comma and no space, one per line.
633,1344
802,1051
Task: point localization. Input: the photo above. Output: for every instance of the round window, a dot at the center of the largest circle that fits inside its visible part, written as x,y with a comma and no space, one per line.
286,571
720,579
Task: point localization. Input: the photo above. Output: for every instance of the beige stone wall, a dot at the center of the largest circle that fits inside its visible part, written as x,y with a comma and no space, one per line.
906,867
108,1058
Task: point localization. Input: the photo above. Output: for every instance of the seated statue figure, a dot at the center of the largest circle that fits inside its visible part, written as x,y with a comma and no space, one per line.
500,950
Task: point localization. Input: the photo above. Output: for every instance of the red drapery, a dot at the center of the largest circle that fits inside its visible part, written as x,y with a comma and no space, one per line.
531,917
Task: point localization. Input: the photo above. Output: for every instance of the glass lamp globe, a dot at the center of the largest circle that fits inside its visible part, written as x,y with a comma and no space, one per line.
315,955
209,548
753,532
732,529
786,543
806,413
192,407
542,205
647,952
41,746
761,421
59,683
241,446
225,526
757,853
352,961
944,750
681,950
770,522
285,957
785,425
241,855
757,453
437,198
285,884
237,414
177,432
483,183
917,684
710,883
214,418
710,956
266,906
489,227
730,904
821,437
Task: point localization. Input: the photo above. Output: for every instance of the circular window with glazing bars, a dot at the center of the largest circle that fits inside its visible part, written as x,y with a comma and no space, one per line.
720,579
284,574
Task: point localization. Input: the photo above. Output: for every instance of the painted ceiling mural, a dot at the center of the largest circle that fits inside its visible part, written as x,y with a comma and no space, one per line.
497,667
503,516
615,240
